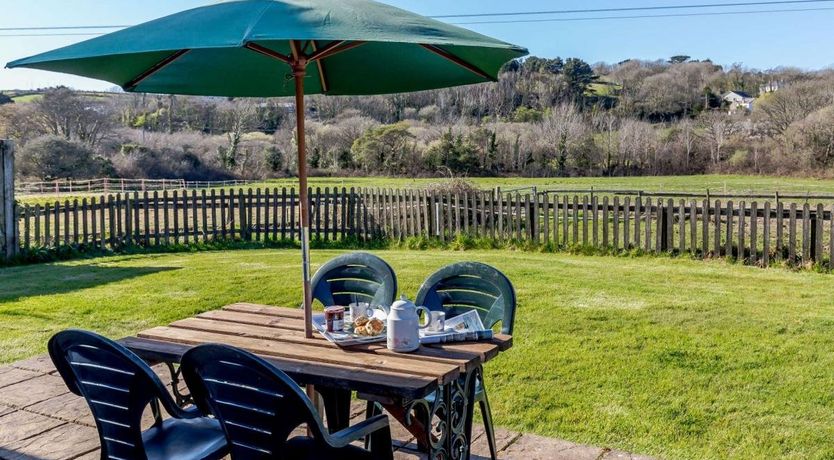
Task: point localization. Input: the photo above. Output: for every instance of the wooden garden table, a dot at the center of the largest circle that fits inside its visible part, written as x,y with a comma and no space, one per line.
430,391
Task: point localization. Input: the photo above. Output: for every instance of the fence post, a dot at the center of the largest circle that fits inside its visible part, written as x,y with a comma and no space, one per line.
8,221
664,226
814,243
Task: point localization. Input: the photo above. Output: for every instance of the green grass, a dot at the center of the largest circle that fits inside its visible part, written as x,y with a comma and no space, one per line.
27,98
715,183
669,357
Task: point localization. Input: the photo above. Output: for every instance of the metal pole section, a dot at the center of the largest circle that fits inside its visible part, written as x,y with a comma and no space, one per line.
299,72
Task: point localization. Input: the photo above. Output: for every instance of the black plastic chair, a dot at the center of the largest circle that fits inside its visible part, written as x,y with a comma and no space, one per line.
259,407
466,286
118,387
355,277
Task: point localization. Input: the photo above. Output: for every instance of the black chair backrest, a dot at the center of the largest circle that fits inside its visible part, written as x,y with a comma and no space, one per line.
257,404
465,286
356,277
117,385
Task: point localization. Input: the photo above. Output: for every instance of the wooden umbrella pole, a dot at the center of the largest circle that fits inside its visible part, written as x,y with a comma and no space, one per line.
299,68
299,72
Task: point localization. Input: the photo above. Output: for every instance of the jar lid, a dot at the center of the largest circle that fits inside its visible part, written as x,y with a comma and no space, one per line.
334,309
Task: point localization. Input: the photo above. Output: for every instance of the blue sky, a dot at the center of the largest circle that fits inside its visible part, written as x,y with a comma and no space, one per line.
801,39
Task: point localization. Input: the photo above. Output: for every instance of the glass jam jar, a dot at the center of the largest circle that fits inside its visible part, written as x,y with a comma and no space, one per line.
334,318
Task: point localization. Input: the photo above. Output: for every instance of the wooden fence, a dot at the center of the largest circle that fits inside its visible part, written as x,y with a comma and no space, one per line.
755,232
107,186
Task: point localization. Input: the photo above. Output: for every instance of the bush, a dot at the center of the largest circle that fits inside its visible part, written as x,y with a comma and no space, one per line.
453,186
53,157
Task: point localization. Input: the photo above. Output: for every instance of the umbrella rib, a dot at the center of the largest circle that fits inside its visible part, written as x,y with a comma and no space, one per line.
154,69
335,48
325,87
455,59
268,52
296,53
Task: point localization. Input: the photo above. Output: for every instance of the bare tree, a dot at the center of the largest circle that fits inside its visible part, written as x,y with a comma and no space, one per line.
716,130
239,118
795,102
607,123
62,112
564,130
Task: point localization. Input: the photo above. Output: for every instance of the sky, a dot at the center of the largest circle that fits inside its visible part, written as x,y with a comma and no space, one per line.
801,39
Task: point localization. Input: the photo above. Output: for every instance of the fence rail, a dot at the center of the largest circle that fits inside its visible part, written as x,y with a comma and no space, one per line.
752,232
107,186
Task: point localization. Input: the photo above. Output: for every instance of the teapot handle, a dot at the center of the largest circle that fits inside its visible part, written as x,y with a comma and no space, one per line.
428,317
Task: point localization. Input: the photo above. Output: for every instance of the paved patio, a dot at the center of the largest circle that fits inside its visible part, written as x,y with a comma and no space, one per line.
41,420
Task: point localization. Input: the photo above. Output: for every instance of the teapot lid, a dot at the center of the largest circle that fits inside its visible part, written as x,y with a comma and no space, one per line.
403,303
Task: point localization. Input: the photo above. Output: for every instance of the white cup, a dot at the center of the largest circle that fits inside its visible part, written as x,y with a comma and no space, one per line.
360,309
438,321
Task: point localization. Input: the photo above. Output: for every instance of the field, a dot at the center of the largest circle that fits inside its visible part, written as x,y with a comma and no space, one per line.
669,357
713,183
27,98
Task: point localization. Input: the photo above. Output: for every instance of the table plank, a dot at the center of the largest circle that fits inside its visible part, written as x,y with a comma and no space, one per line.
485,350
463,360
254,319
284,312
303,372
361,360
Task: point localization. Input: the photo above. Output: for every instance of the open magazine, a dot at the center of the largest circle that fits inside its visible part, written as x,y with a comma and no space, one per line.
462,328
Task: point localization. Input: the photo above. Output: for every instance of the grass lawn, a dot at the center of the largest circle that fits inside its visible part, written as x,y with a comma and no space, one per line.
668,357
27,98
715,183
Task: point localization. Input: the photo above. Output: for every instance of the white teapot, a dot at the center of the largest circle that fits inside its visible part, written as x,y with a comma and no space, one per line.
404,326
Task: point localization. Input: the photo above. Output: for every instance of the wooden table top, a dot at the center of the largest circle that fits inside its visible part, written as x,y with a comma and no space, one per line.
277,334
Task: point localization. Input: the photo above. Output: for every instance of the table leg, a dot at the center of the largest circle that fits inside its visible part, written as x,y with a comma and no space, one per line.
336,407
181,399
442,423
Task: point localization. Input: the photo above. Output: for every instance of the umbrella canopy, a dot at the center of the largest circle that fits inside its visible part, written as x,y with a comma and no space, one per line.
236,49
254,48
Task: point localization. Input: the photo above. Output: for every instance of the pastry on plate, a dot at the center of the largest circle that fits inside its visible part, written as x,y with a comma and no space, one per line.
361,321
375,326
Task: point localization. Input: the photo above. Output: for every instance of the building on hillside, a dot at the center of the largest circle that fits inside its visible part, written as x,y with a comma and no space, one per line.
739,100
771,87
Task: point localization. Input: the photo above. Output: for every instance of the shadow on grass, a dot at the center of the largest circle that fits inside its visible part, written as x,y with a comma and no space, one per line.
36,280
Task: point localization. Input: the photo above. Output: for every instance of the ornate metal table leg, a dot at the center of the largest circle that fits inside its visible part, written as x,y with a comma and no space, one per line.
445,419
181,399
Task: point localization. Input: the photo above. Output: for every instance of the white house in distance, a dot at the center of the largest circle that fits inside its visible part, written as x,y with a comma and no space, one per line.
771,87
739,100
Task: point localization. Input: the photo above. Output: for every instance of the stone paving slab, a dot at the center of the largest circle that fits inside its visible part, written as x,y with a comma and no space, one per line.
68,407
532,447
20,425
12,375
32,391
64,442
480,445
5,410
41,364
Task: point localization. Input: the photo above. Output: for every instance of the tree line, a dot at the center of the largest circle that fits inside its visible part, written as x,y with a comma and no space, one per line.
543,117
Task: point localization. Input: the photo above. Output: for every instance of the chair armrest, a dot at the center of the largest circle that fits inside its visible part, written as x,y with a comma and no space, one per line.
360,430
191,412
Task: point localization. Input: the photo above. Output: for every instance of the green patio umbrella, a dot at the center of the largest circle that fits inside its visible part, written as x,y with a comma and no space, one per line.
269,48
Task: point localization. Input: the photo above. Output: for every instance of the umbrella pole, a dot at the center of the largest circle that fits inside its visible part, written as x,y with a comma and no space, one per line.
299,72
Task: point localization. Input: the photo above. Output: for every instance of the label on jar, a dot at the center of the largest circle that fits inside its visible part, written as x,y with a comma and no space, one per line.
338,325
